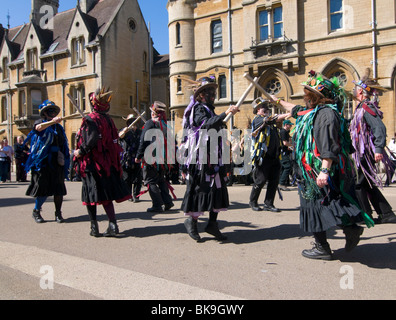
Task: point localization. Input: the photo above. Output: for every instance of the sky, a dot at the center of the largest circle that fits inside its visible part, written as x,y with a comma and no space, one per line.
19,11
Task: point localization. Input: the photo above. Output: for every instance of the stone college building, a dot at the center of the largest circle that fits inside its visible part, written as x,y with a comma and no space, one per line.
97,43
280,41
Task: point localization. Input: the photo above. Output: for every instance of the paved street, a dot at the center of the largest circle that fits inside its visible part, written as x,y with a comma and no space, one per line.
154,258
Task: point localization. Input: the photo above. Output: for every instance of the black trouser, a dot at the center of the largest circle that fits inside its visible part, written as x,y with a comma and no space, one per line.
158,188
286,169
133,178
268,171
366,194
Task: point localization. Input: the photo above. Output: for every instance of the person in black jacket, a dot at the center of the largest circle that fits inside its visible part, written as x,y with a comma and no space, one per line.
286,161
21,154
324,170
132,172
48,161
369,140
154,165
206,185
266,152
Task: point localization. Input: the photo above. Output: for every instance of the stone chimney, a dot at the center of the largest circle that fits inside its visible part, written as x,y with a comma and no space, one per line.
86,5
43,8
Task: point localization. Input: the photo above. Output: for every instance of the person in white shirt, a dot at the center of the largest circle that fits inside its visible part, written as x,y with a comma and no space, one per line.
392,156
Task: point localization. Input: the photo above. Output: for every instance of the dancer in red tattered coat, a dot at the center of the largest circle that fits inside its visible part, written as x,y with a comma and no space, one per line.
98,153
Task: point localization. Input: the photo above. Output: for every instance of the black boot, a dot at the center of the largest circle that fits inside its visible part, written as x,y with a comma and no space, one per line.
58,217
352,236
387,218
318,252
254,195
94,229
112,230
192,228
213,229
37,216
255,206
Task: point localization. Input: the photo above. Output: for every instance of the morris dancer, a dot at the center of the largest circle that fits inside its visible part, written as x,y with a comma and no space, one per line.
154,171
369,140
98,154
132,172
266,153
325,168
48,161
206,185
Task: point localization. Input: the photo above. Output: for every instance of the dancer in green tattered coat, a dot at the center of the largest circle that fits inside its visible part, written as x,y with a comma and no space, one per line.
325,170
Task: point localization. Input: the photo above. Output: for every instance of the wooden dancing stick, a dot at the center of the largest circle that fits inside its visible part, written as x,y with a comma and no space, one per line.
258,87
140,114
75,105
242,98
126,129
45,125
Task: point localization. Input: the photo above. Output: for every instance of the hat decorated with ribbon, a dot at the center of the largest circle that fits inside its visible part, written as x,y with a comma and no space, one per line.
260,103
324,87
48,105
158,107
100,99
203,84
368,84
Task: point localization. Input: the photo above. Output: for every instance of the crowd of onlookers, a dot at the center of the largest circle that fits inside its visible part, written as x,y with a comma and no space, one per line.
7,154
20,153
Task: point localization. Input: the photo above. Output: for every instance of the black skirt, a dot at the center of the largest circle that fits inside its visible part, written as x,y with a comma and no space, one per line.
49,181
331,210
206,191
99,189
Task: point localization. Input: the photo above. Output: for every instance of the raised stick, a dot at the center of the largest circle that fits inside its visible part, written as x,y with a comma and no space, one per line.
126,129
242,98
258,87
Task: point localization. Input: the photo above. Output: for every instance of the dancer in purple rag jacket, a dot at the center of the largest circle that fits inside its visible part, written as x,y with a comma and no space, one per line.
206,186
368,134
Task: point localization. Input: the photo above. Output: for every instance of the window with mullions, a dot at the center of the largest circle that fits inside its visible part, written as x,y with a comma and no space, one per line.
78,52
271,24
78,94
217,36
336,15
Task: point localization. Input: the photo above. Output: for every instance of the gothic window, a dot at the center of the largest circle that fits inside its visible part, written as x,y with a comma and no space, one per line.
336,14
273,86
342,78
217,37
78,51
